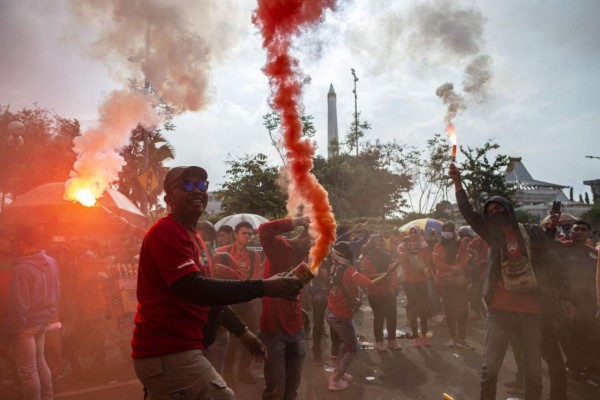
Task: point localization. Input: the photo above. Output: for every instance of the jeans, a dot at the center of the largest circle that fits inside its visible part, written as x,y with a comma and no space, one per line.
318,308
349,346
33,371
216,352
502,328
384,310
456,307
283,365
185,375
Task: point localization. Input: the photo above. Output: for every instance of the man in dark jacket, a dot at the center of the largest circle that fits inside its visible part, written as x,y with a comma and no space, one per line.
513,317
579,260
32,301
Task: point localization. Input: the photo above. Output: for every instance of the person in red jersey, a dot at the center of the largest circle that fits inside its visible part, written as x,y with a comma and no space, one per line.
450,261
341,305
176,296
250,267
415,259
281,325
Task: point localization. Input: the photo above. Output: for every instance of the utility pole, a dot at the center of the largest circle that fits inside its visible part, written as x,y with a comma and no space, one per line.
355,110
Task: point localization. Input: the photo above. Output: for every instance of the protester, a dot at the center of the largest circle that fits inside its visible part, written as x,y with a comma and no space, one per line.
382,298
176,292
579,259
417,266
450,260
319,292
478,253
281,325
519,288
249,264
224,267
7,244
356,237
224,236
33,300
343,297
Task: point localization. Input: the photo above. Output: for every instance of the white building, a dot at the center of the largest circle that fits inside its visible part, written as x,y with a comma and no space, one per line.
214,204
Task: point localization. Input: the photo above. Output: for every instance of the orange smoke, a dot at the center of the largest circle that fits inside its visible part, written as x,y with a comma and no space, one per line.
279,22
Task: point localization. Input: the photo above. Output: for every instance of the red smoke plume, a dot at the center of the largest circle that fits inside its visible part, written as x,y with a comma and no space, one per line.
279,22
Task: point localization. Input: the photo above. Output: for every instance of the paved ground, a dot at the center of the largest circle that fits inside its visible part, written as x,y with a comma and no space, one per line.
407,374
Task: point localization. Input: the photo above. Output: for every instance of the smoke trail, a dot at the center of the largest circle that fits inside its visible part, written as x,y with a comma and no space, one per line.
154,38
280,22
477,77
454,101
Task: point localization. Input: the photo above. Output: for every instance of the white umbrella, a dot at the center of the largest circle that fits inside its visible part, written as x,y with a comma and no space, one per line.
233,220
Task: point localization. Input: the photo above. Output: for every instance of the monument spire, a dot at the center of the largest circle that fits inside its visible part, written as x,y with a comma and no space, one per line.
332,125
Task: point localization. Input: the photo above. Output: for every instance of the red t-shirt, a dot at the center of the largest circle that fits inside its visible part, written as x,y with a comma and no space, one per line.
413,264
524,303
164,324
246,259
279,315
384,288
442,267
339,303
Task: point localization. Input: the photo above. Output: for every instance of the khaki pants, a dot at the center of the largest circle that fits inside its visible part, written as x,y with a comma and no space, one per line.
187,375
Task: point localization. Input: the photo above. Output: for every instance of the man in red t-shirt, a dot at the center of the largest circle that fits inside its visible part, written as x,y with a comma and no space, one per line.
281,326
250,268
515,316
177,296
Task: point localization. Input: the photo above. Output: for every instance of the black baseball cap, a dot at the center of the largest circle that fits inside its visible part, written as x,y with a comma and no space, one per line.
176,174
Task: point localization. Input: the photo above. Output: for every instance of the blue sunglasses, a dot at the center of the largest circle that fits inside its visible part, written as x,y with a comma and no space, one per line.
188,186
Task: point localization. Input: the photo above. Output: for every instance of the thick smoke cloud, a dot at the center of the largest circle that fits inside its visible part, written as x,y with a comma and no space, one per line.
164,41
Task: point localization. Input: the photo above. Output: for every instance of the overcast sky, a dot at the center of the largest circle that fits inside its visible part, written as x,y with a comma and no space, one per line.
543,100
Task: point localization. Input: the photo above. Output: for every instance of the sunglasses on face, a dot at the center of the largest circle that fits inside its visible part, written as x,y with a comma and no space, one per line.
188,186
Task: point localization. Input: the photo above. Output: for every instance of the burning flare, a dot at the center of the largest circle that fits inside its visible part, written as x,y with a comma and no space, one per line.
451,131
85,197
279,22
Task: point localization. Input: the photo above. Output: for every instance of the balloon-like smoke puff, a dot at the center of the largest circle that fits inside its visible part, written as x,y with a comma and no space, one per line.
279,22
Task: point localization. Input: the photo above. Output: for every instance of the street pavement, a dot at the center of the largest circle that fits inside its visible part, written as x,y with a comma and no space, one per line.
410,373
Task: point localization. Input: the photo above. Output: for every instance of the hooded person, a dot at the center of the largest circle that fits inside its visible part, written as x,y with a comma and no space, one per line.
343,301
417,266
521,284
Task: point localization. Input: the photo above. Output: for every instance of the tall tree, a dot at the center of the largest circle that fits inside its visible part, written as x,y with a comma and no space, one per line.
484,179
251,187
159,151
587,198
41,153
428,170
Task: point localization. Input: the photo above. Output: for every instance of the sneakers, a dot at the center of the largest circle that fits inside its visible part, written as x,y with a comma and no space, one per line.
451,343
393,344
380,347
336,385
462,344
417,342
347,377
425,341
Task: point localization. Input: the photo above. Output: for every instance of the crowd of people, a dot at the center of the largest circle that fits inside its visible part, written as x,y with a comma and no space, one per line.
201,320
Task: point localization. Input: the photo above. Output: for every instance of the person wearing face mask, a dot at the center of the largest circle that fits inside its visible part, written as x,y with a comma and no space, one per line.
450,260
521,287
414,257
